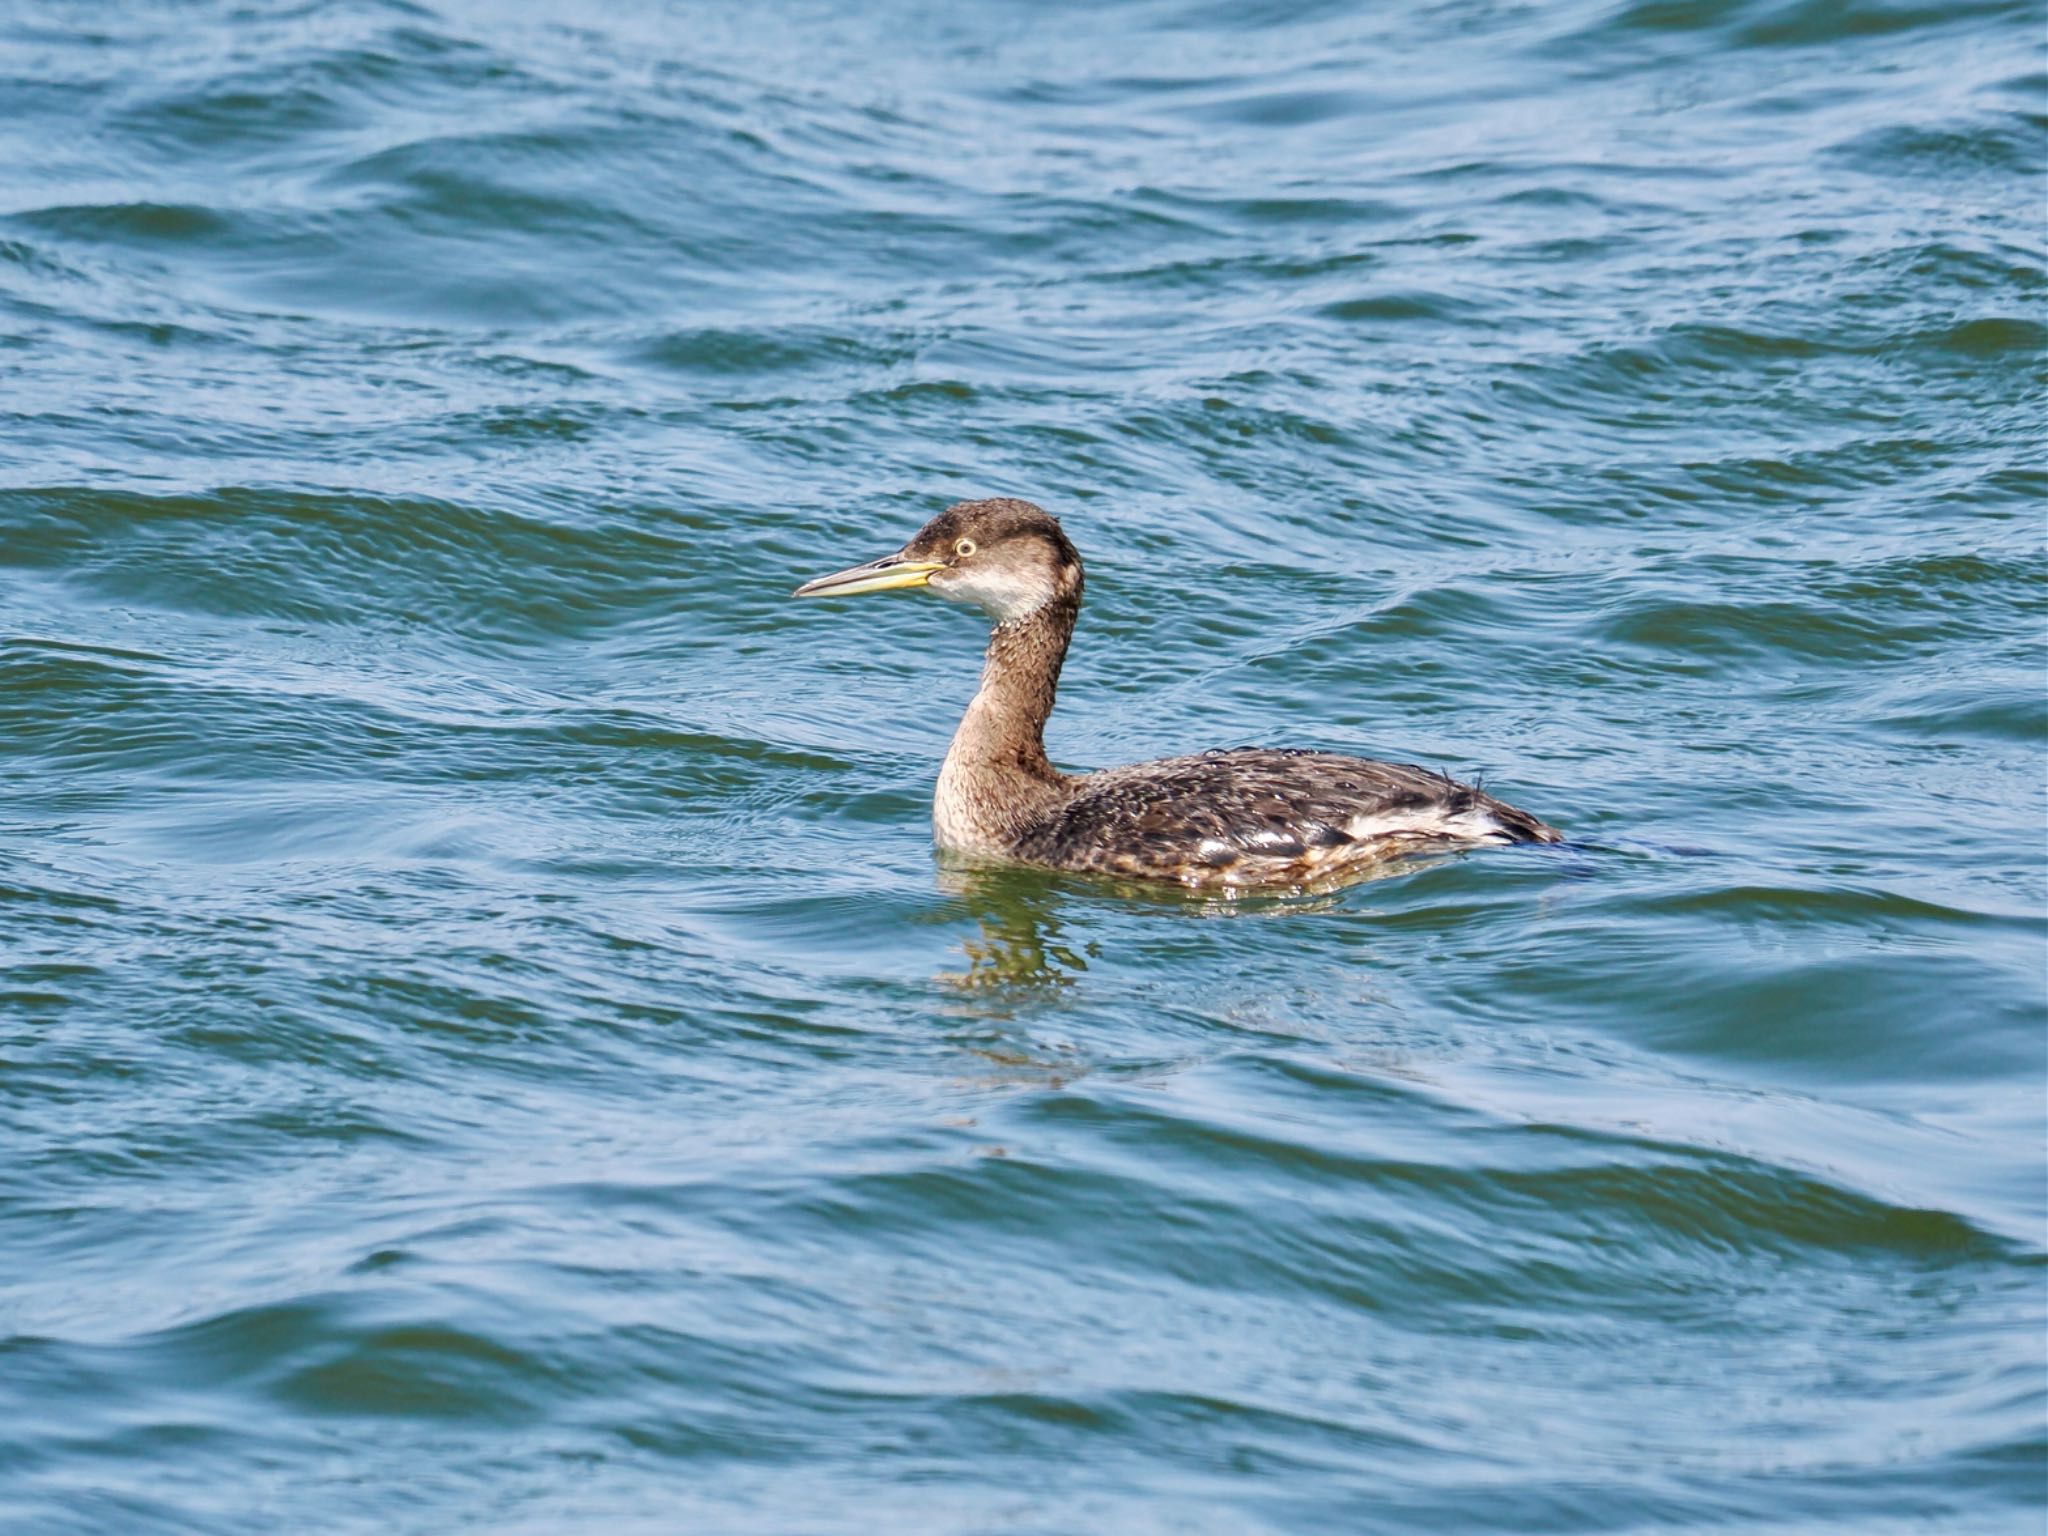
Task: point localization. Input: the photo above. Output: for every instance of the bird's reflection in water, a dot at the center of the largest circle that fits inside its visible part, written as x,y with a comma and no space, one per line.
1041,931
1025,944
1022,944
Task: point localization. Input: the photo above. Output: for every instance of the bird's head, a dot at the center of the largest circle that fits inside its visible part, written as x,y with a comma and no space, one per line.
1004,556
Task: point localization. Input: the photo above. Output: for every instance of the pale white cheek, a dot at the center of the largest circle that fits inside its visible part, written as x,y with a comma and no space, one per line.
1000,594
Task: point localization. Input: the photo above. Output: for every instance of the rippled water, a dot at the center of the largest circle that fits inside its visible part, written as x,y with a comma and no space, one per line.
484,1042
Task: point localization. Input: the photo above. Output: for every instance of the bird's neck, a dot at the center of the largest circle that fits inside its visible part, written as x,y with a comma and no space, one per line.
996,775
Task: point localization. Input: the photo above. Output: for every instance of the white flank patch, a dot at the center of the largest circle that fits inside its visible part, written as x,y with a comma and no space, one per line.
1475,825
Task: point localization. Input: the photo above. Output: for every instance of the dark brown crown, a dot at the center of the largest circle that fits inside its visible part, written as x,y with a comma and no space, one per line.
989,523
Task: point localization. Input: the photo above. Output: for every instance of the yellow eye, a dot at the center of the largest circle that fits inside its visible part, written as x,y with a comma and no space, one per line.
964,548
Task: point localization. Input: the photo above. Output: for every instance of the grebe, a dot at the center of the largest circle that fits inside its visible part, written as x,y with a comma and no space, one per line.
1248,816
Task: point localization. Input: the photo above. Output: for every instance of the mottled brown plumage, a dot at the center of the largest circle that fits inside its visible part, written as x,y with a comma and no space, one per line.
1249,816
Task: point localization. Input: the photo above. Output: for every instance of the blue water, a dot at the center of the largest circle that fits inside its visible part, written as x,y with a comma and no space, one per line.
485,1044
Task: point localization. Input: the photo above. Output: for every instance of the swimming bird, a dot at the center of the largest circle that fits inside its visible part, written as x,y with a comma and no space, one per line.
1241,817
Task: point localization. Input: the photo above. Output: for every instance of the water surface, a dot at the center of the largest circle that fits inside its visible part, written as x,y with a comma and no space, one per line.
484,1042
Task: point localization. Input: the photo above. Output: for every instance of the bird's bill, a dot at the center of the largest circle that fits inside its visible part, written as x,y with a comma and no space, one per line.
883,575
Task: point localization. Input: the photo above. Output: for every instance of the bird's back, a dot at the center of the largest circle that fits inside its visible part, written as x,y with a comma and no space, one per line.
1259,816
